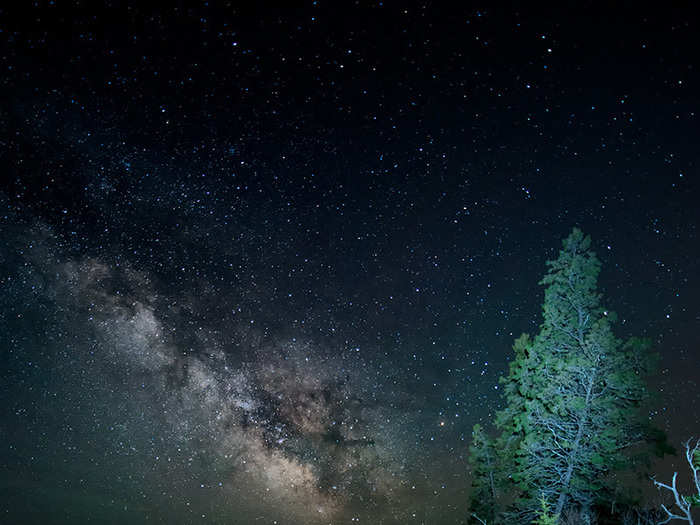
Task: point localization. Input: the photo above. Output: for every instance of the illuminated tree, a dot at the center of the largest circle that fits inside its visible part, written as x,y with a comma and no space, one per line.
572,395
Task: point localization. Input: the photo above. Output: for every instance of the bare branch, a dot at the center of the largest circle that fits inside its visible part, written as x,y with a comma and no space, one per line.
690,454
681,501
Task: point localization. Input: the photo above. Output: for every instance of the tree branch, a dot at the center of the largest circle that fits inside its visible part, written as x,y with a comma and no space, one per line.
681,502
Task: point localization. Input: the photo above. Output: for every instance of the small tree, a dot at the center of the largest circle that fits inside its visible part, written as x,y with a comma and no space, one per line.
484,493
684,504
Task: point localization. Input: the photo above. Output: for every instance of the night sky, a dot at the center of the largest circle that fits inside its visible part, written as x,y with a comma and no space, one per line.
268,266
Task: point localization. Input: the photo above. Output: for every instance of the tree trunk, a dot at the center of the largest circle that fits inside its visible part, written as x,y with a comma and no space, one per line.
563,496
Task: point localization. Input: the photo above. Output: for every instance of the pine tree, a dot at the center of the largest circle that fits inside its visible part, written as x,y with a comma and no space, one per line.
572,395
582,403
484,461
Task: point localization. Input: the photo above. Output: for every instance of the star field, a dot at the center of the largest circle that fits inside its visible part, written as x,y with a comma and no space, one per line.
266,266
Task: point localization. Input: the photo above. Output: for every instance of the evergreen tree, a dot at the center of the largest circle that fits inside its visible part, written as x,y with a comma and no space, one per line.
572,395
484,461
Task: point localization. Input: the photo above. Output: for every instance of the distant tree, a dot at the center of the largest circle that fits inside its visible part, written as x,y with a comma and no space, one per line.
684,504
492,460
484,462
572,395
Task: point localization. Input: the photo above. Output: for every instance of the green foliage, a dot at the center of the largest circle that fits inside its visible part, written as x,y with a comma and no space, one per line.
484,462
693,500
572,396
544,517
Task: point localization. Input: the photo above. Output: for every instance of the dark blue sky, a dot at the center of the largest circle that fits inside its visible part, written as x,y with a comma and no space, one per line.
275,260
